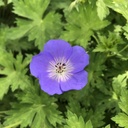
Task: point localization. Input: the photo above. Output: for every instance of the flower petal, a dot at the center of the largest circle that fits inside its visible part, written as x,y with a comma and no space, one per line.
58,48
40,63
49,85
79,58
76,82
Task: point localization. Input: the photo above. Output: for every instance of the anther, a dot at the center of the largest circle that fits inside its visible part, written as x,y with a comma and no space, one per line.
63,64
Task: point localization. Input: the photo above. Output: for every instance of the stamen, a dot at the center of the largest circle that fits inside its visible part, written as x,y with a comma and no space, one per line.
60,69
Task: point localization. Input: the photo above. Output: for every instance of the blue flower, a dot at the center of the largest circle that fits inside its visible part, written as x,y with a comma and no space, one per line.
60,67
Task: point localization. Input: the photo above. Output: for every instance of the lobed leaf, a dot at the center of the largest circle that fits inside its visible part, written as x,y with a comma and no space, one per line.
120,6
27,8
36,110
74,122
102,9
35,24
13,71
121,119
80,29
123,100
108,43
118,83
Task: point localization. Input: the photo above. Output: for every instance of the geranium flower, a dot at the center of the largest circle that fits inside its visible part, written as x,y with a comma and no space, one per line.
60,67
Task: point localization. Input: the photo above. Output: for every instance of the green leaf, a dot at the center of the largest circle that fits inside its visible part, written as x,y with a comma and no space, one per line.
81,24
19,45
74,122
57,4
75,4
118,83
35,109
3,36
24,26
121,119
9,1
102,9
49,28
108,126
15,45
123,100
74,106
120,6
97,116
37,24
1,3
125,28
108,43
13,71
95,69
31,9
88,124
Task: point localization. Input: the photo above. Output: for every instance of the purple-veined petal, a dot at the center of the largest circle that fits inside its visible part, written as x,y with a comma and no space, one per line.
76,82
58,48
39,63
49,85
79,58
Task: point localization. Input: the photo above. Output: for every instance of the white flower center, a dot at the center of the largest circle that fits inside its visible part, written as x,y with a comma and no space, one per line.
59,69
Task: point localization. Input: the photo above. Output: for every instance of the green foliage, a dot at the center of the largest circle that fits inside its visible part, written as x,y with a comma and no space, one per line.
75,107
102,9
63,4
13,71
76,122
101,27
109,43
3,36
108,126
1,3
35,24
80,29
126,31
122,117
119,6
119,82
96,69
75,4
36,109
